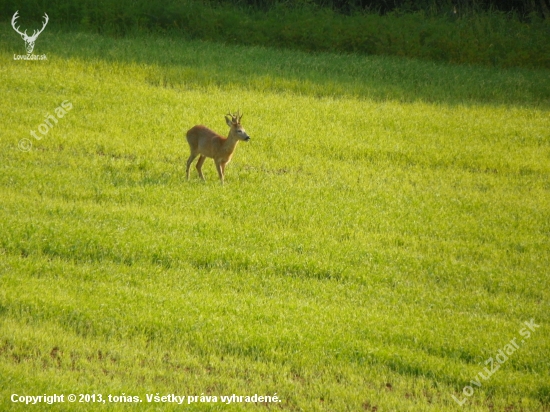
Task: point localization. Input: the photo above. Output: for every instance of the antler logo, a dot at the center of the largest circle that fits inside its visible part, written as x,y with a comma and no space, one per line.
29,40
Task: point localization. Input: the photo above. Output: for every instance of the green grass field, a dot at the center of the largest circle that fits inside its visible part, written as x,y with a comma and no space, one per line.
382,236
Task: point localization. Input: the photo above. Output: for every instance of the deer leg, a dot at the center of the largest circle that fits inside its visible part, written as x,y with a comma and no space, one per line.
223,164
189,161
219,168
199,166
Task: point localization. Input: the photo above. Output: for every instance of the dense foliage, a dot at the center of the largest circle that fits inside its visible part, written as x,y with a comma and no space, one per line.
523,7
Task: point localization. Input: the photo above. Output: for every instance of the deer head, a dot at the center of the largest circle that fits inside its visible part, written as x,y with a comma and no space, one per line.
234,122
29,40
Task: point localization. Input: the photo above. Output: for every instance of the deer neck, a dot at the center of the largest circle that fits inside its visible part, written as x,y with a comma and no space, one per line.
231,142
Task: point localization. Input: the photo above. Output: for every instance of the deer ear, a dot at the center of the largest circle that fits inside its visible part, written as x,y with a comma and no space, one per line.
228,121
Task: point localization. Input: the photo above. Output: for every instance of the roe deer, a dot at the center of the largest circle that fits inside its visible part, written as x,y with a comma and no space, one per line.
207,143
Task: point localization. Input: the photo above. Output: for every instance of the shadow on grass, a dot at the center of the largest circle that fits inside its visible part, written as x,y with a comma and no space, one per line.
174,62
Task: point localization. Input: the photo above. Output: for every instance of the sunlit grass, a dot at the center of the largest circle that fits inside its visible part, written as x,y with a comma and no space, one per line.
373,245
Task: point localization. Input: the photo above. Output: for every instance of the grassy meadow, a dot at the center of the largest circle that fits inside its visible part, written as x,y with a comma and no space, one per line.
384,233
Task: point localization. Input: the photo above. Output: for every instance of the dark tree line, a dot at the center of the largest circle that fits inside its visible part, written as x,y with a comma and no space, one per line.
522,7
